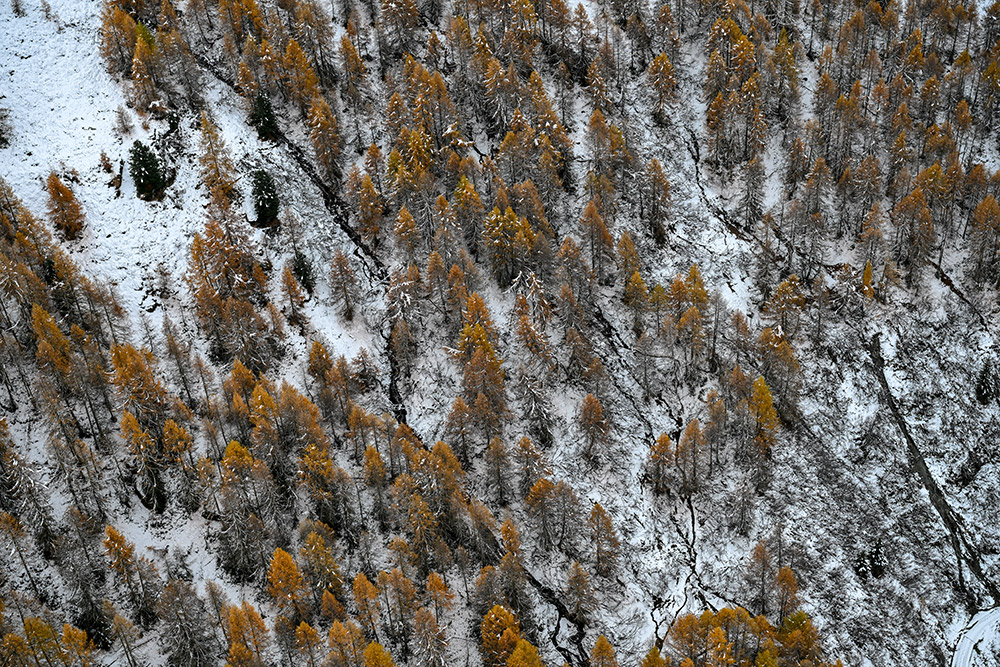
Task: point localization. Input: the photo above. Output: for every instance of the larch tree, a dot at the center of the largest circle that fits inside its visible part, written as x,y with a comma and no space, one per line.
376,656
63,208
497,460
765,416
347,644
218,173
986,238
343,283
43,640
581,600
525,655
593,424
597,238
294,298
324,131
788,588
636,297
371,209
137,574
366,602
661,460
605,541
430,640
719,649
301,80
407,234
689,452
662,82
309,645
653,659
287,586
321,568
399,20
603,654
78,647
500,632
118,37
508,239
139,387
249,637
656,201
12,528
440,595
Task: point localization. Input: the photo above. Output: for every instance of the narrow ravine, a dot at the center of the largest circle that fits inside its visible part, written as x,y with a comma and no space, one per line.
953,522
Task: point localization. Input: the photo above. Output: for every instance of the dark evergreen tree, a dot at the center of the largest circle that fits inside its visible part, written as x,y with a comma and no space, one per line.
262,117
147,172
5,128
265,197
302,269
986,383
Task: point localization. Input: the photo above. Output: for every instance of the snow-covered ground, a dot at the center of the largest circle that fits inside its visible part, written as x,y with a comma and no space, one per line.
840,486
979,643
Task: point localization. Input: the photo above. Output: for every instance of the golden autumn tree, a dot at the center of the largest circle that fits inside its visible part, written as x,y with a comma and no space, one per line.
661,459
371,208
309,645
766,422
376,656
653,659
13,530
593,423
366,602
249,638
581,600
689,452
287,586
986,237
301,81
54,355
662,82
118,37
63,208
78,647
603,654
43,640
597,238
144,61
719,649
407,234
636,297
294,298
324,132
136,574
138,386
508,238
525,655
500,632
605,541
343,282
218,173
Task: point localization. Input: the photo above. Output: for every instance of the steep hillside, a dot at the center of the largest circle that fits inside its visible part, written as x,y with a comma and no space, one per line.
504,333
